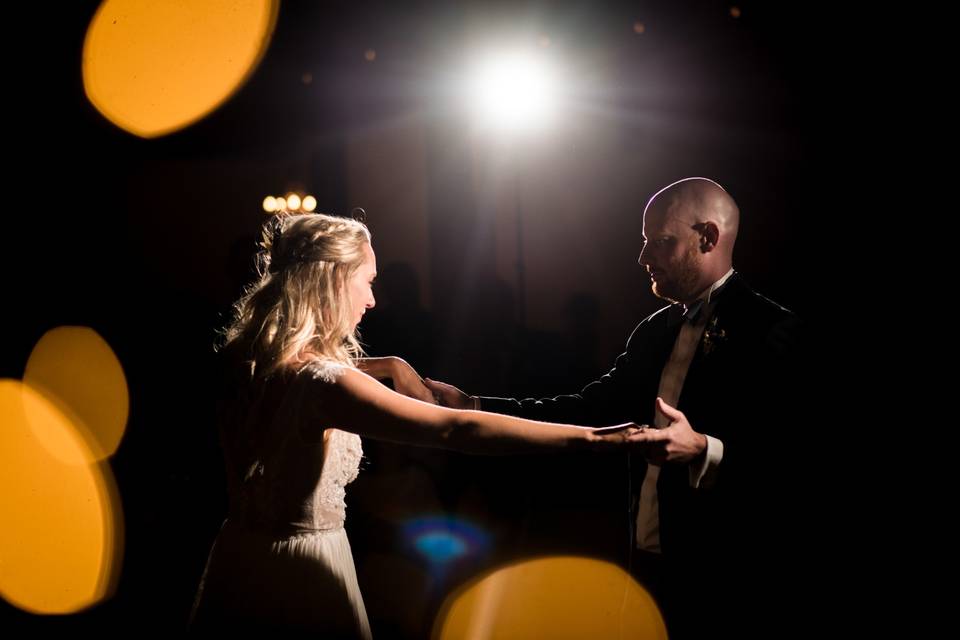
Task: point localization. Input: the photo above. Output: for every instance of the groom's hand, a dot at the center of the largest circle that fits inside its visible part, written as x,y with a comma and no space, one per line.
677,442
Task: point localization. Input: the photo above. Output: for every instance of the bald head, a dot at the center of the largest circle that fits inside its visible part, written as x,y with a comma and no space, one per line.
690,228
699,201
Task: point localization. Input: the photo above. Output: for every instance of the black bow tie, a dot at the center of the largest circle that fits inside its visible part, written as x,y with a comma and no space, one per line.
692,312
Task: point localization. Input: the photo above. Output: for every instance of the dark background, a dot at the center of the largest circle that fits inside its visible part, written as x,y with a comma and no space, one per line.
150,241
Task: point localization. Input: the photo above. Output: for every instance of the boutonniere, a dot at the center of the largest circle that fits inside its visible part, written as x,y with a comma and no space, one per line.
712,336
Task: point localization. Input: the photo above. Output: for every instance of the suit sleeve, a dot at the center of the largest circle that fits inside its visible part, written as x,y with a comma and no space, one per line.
603,402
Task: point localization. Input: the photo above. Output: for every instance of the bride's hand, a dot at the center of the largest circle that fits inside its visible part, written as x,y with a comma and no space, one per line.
448,395
405,378
618,436
407,381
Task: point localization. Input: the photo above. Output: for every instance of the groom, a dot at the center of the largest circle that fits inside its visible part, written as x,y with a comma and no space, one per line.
712,374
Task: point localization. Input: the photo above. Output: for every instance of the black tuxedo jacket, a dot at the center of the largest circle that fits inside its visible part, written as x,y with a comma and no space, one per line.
742,387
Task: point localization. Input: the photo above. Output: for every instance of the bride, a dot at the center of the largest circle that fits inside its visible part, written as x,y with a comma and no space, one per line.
294,404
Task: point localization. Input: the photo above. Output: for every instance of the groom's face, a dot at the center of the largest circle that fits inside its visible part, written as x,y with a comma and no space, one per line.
671,252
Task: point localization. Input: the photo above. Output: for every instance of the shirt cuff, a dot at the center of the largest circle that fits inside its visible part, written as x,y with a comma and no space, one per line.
704,475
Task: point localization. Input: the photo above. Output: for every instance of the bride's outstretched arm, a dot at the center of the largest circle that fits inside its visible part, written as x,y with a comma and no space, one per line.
355,402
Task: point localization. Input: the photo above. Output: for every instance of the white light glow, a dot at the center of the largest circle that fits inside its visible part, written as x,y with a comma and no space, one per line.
514,92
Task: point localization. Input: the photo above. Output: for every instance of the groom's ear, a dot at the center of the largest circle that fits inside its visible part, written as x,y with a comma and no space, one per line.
709,236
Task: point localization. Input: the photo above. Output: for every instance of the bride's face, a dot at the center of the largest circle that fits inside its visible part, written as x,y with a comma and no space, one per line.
360,285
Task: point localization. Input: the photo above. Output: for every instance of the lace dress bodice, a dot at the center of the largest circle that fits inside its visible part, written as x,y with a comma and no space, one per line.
288,471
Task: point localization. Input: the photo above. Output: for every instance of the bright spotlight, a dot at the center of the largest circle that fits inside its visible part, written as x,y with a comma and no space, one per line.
514,92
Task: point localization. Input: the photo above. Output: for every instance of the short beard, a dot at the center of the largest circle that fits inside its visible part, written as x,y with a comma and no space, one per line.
681,284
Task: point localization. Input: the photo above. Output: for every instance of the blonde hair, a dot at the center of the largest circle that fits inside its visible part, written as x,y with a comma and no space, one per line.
299,308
